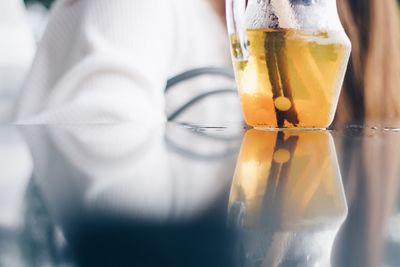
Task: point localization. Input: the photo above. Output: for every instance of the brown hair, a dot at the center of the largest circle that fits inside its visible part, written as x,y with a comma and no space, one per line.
371,91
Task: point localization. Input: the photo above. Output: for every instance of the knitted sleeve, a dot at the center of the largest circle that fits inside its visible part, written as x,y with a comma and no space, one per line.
101,61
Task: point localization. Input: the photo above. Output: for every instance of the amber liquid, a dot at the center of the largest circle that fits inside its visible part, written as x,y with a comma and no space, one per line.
290,178
292,78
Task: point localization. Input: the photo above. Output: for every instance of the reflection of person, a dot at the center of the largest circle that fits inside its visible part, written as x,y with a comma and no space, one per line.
110,60
129,169
370,169
121,188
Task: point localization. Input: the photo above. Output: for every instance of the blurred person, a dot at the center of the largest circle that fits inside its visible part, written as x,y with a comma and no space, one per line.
107,61
16,52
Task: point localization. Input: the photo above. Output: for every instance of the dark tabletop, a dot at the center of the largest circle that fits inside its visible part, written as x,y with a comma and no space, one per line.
180,195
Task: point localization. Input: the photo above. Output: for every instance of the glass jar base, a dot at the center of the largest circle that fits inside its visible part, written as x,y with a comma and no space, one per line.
292,129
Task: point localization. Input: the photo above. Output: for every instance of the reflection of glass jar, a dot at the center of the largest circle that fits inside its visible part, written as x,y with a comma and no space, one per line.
287,197
290,58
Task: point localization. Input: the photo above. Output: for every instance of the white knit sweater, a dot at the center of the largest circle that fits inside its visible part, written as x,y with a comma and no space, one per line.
17,48
107,61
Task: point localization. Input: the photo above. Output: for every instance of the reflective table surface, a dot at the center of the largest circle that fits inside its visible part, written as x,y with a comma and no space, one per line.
180,195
